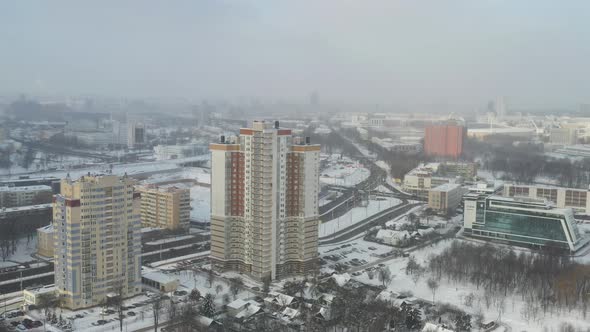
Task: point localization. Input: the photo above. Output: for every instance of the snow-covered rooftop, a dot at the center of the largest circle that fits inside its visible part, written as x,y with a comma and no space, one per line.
25,188
157,276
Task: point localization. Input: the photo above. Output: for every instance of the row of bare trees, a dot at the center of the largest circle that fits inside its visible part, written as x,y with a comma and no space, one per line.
546,280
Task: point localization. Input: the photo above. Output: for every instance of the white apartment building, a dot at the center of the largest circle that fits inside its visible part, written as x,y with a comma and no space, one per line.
97,234
264,202
423,178
28,195
577,199
446,197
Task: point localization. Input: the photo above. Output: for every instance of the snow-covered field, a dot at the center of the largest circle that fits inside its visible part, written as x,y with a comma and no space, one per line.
342,171
201,175
200,195
43,161
24,249
119,169
200,203
357,214
455,293
348,175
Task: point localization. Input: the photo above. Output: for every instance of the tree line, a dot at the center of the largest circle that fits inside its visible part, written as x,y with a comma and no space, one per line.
548,282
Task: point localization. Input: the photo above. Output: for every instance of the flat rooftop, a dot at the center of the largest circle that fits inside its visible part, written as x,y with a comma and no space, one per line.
24,188
447,187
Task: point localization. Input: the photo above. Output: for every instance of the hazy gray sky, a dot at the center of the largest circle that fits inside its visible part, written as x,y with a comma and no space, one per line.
535,52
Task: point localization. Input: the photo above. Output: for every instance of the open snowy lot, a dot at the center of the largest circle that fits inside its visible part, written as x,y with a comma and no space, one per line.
200,193
357,214
508,310
343,171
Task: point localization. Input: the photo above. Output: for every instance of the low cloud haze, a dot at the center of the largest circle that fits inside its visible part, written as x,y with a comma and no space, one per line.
409,52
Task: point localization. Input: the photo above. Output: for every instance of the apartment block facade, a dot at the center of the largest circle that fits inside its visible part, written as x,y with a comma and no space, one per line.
264,202
577,199
444,140
446,197
165,207
22,196
97,234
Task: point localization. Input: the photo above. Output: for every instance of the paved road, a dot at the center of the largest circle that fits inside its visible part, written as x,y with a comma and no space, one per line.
367,223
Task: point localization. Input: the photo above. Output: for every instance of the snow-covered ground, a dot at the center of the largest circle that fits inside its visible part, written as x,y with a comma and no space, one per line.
24,249
357,248
455,294
357,214
43,161
201,175
119,169
200,203
346,174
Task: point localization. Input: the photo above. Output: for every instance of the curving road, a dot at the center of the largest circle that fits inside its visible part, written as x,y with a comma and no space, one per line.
362,226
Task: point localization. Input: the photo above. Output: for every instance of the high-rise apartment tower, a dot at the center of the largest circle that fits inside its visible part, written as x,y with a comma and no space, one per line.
97,234
264,202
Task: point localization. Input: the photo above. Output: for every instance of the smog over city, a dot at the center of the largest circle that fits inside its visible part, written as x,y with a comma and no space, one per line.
295,166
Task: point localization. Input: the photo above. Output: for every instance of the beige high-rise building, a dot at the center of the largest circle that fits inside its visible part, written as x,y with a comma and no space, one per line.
165,207
264,202
97,234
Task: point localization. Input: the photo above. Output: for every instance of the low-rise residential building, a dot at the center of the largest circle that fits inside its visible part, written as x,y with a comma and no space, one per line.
397,146
521,221
159,280
32,296
446,197
393,237
464,169
24,219
165,207
577,199
45,241
423,178
578,150
563,136
26,195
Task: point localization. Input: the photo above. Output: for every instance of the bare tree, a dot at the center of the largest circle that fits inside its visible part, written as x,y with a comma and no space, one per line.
172,311
46,303
156,308
384,275
218,289
116,301
235,285
194,296
433,285
266,284
210,277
